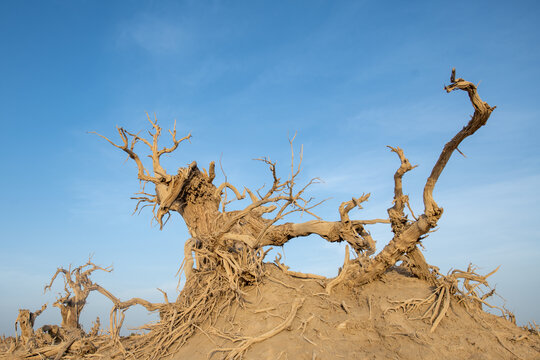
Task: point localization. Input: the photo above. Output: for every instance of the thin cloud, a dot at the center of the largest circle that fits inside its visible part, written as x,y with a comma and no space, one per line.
153,34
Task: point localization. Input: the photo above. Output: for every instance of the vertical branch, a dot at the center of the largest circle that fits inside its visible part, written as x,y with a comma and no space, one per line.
415,259
398,219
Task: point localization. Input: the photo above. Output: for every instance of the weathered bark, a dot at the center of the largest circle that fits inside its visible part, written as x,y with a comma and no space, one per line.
399,221
70,310
26,320
391,253
418,266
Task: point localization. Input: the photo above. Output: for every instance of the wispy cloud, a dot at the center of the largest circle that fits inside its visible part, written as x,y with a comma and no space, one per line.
153,34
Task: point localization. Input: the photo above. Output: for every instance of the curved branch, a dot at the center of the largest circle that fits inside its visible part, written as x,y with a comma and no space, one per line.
235,191
67,278
347,206
482,111
124,305
406,241
121,305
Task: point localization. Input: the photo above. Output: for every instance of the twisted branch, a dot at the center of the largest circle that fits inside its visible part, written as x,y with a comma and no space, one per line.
482,111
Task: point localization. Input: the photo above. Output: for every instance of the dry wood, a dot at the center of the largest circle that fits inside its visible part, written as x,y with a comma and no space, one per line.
78,281
226,249
26,320
406,239
456,285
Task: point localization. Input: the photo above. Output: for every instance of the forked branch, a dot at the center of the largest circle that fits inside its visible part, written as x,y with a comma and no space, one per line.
128,147
281,196
168,187
406,238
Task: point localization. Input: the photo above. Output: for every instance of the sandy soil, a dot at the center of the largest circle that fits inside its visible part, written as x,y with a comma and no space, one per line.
290,318
351,325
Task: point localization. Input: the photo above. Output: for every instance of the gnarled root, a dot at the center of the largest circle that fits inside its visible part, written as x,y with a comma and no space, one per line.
215,284
448,287
438,303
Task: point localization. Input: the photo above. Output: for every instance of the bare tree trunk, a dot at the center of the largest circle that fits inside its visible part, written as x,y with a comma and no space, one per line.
70,310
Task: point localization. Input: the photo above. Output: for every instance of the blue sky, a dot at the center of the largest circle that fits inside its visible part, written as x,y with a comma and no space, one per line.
349,77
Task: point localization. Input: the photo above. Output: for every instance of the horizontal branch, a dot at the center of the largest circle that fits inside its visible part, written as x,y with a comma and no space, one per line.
332,231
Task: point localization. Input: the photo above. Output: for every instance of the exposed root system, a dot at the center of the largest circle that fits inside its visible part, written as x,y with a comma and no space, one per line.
448,289
205,295
225,274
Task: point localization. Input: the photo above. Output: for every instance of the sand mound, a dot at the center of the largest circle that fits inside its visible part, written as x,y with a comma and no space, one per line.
291,318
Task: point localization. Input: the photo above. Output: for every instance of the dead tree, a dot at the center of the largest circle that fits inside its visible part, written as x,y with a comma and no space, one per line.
228,246
26,320
192,194
213,230
77,287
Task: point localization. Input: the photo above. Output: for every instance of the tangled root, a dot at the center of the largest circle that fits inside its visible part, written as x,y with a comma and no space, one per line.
438,303
212,288
464,286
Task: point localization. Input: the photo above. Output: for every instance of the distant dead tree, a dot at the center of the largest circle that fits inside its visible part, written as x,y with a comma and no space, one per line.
77,287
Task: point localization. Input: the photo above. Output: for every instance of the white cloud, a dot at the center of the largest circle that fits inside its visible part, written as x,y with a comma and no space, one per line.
153,34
